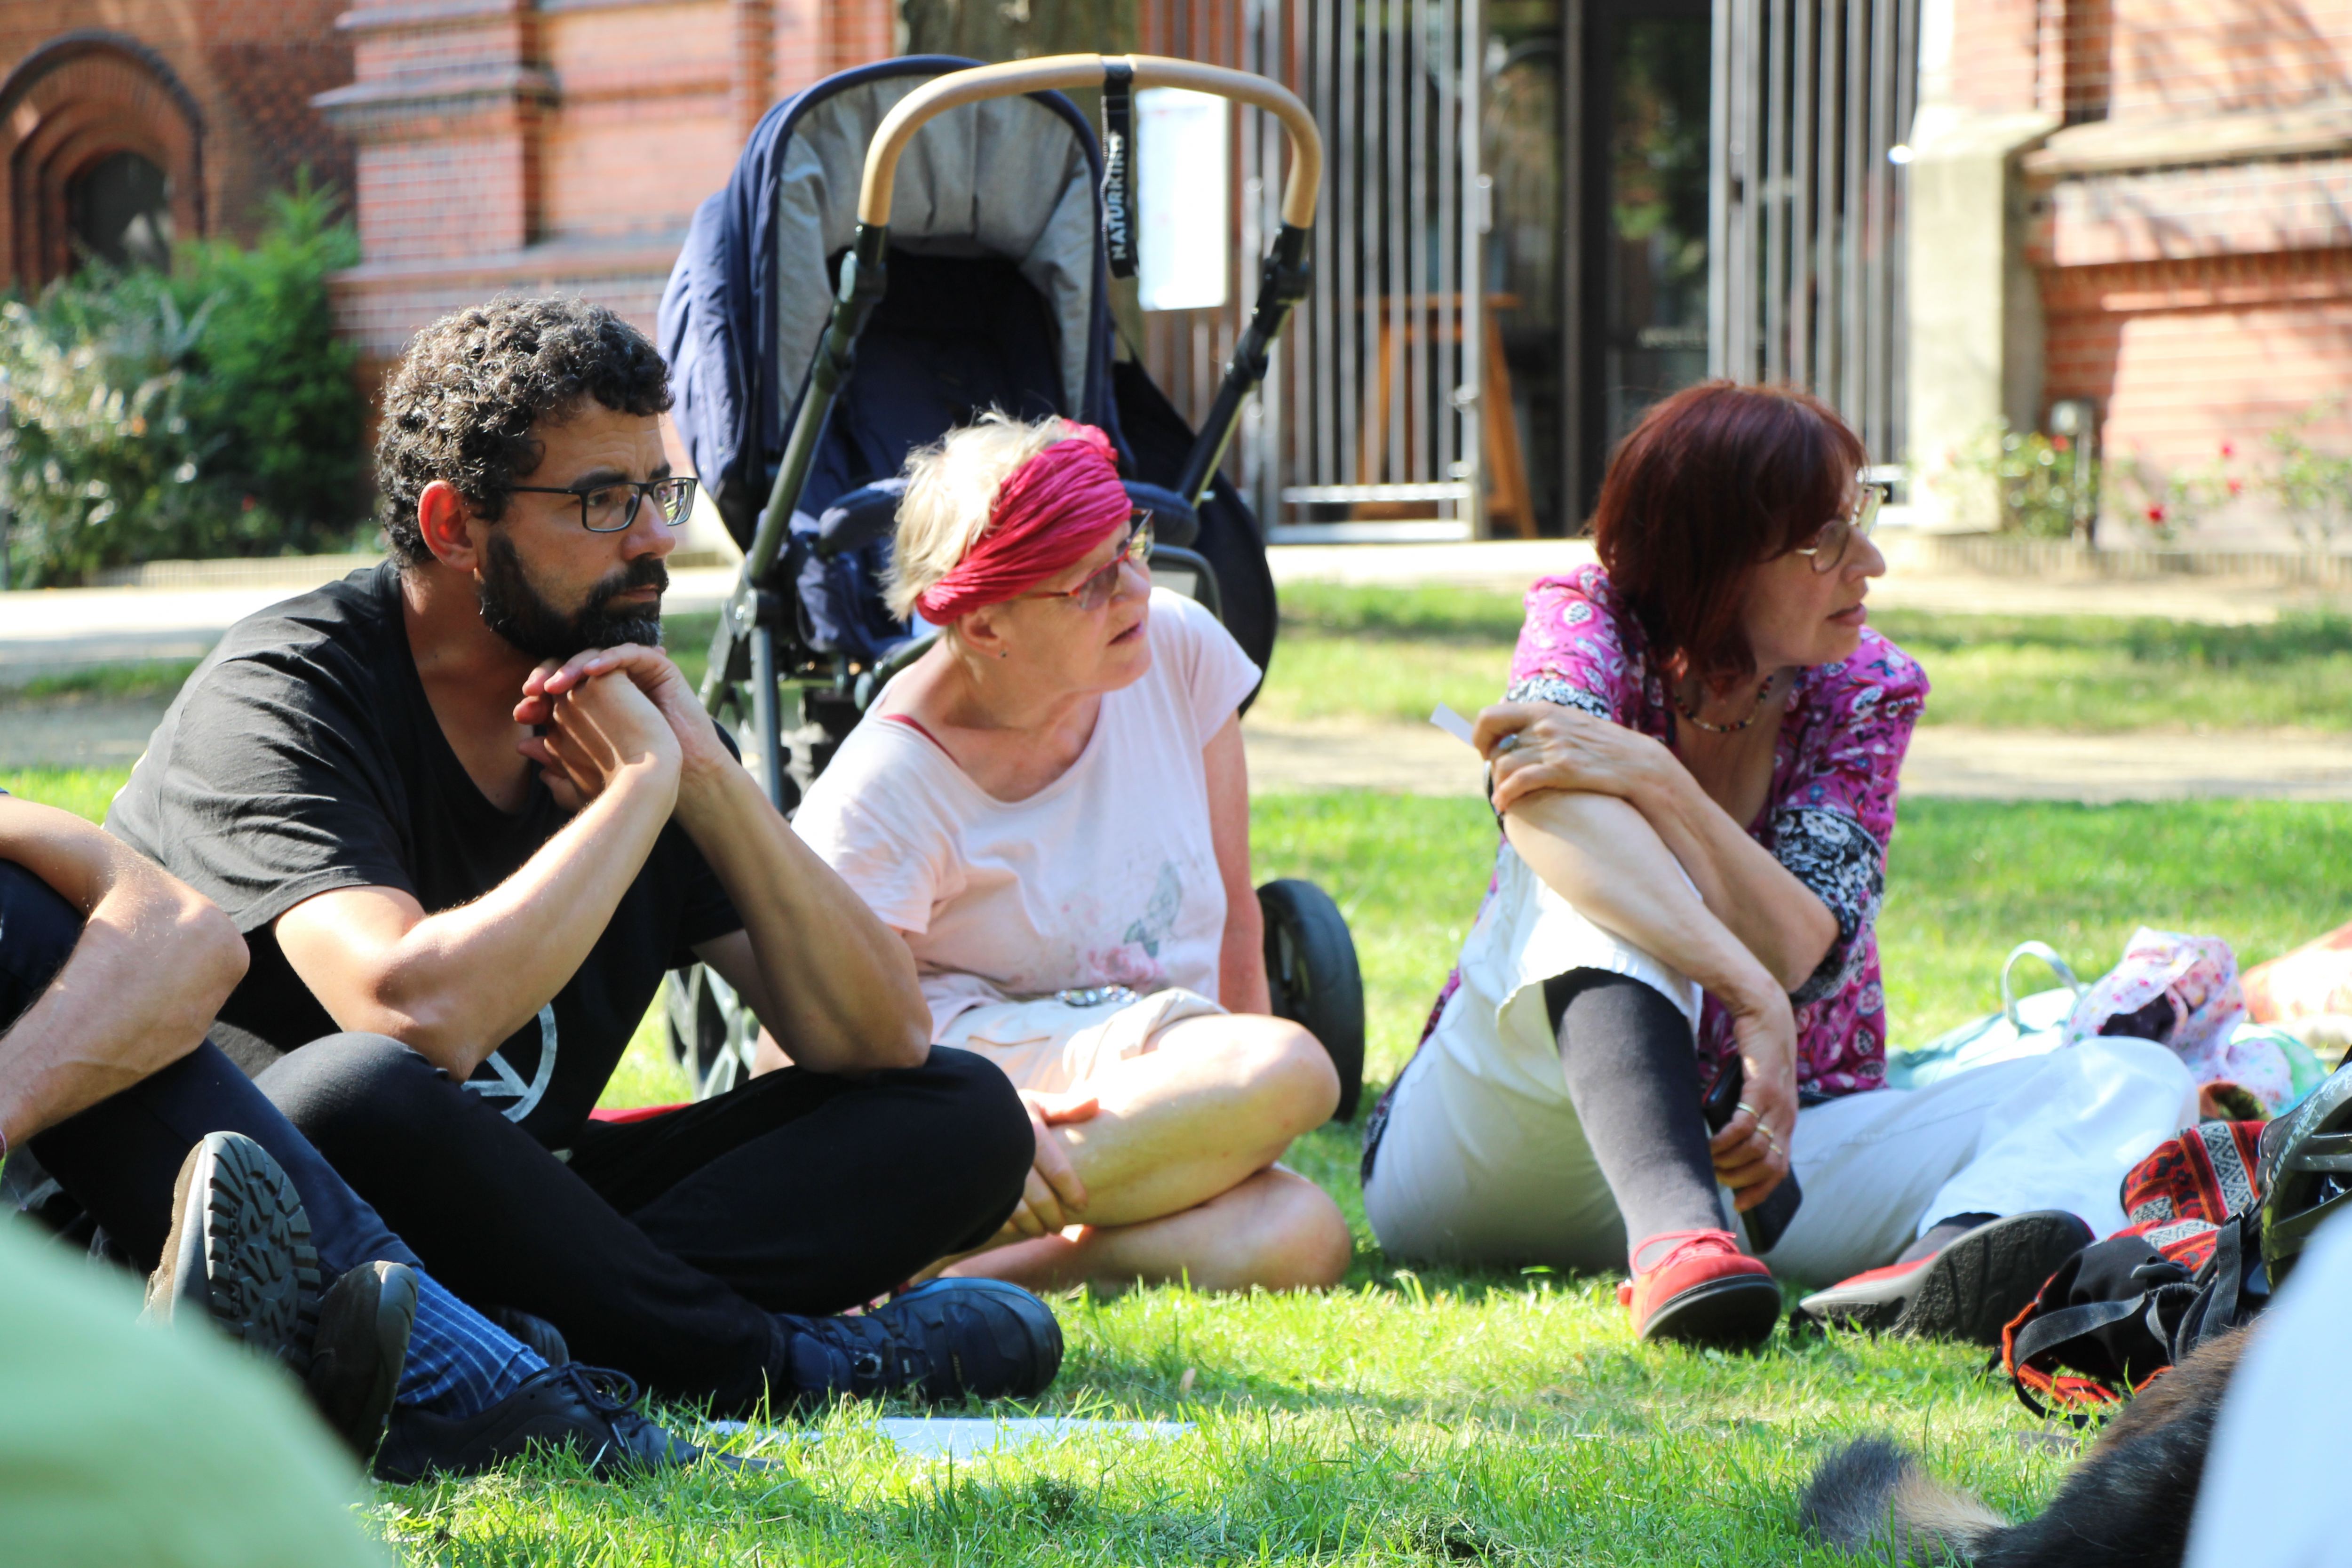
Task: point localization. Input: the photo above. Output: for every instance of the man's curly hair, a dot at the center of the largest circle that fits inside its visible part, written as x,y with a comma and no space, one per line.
466,398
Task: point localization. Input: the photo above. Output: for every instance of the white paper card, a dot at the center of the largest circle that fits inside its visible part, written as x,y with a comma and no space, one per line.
962,1436
1454,724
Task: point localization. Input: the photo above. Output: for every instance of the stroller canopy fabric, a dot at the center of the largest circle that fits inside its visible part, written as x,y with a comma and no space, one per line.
1016,178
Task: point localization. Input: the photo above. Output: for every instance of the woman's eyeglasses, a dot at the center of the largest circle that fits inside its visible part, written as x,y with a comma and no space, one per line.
1828,550
610,506
1096,591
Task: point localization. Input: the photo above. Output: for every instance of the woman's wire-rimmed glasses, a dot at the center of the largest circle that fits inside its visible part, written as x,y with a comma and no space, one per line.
610,506
1828,550
1096,591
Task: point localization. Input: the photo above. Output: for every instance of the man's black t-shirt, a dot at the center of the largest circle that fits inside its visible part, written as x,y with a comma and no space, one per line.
303,756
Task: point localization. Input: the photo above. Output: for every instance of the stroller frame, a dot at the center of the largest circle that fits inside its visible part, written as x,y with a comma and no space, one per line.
744,646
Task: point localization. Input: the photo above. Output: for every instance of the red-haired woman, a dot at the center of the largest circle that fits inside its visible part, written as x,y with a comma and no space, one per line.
1695,770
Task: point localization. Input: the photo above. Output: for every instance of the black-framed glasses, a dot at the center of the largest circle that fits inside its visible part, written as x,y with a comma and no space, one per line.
1096,591
1829,548
610,506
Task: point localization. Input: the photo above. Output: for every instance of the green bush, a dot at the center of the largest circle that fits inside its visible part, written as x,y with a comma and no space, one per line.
2043,486
210,411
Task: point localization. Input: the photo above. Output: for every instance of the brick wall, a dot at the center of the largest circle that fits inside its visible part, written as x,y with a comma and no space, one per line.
217,93
2192,221
561,143
2208,56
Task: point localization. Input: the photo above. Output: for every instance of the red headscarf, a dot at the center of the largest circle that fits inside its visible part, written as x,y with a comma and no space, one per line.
1049,517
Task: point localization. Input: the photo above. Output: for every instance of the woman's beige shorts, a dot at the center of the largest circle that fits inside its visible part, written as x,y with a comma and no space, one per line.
1050,1045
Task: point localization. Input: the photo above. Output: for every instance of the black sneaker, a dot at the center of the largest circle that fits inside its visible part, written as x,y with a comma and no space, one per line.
949,1340
359,1349
588,1409
239,1254
1969,1292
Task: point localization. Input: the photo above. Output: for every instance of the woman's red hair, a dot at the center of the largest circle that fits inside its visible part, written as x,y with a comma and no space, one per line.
1714,482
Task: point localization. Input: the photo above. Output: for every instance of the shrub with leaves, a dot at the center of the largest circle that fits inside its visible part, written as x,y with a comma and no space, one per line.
204,413
2040,482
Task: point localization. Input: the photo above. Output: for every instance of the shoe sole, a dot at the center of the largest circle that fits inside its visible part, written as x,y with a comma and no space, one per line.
239,1250
1982,1280
1735,1313
360,1349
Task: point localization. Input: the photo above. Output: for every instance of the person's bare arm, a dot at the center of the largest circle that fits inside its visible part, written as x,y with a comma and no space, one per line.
451,986
1601,855
1775,916
155,961
835,987
1240,959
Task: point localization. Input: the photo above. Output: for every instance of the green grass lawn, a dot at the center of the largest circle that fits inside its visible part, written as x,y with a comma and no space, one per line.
1442,1416
1389,654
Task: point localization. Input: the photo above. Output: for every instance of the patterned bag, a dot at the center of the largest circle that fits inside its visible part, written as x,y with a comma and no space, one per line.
2122,1310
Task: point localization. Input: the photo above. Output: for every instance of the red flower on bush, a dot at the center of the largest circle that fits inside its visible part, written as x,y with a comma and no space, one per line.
2156,514
2227,450
2062,443
2237,485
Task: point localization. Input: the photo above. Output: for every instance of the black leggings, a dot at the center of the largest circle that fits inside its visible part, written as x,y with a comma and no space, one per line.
1632,1076
663,1246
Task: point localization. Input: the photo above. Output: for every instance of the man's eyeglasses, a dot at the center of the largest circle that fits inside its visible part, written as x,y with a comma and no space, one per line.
1096,591
610,506
1829,548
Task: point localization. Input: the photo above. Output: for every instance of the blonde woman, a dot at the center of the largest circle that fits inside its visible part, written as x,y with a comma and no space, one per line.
1051,807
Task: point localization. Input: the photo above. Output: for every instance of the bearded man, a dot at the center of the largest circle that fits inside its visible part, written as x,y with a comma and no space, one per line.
463,808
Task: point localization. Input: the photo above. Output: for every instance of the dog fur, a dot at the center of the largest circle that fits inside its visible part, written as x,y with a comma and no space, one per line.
2128,1502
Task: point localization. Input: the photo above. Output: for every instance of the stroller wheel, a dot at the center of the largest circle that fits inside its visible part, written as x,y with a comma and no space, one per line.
1310,967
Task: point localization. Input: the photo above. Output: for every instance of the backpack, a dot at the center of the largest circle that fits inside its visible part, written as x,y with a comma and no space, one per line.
2121,1312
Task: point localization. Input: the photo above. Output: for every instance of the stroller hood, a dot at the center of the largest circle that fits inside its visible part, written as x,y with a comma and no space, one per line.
1016,178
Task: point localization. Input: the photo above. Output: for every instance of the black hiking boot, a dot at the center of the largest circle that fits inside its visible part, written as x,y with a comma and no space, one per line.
949,1340
1969,1292
588,1409
238,1254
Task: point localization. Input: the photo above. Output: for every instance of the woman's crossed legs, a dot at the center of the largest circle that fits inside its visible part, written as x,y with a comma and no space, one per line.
1177,1163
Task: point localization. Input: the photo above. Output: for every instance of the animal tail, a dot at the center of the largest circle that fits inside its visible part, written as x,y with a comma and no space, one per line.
1872,1495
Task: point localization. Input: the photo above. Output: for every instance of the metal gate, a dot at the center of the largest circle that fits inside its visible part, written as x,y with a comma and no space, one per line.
1812,100
1367,424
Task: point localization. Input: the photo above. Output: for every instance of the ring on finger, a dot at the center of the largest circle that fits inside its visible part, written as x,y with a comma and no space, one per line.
1507,744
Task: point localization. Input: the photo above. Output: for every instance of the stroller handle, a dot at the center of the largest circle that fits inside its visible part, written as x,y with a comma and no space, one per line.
1055,72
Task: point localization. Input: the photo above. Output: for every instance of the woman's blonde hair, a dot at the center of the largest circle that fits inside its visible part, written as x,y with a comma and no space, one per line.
950,485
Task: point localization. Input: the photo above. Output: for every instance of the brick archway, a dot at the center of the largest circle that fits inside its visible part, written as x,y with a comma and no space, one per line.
76,100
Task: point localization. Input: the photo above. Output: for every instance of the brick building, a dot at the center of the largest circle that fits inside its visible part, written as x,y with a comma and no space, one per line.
2151,201
125,124
557,144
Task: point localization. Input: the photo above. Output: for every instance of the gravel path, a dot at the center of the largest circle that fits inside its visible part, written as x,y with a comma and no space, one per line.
41,632
1944,760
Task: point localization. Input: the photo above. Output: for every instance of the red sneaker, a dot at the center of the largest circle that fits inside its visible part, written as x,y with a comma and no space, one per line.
1698,1287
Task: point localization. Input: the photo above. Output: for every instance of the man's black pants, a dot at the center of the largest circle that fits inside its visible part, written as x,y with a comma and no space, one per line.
663,1246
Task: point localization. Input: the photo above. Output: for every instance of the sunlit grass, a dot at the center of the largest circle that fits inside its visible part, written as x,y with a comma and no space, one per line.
1439,1415
1388,654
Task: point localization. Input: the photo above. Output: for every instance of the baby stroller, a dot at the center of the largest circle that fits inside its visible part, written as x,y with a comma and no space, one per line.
902,246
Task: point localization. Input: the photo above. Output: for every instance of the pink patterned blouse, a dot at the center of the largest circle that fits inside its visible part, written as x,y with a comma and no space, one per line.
1827,818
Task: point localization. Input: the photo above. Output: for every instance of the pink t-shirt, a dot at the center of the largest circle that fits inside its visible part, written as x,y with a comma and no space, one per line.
1105,876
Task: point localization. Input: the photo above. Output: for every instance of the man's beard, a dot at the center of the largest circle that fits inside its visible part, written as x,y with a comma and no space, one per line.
518,612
